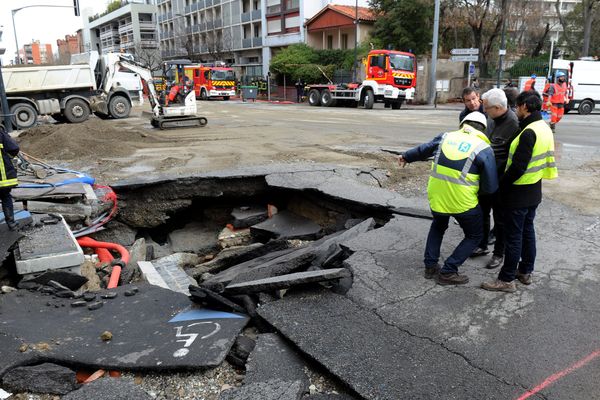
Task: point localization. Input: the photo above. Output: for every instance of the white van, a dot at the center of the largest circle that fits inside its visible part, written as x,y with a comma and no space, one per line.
585,82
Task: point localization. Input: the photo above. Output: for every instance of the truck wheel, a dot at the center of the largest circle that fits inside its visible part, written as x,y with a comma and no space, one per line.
203,95
76,111
24,115
396,105
314,97
586,107
369,100
119,107
327,99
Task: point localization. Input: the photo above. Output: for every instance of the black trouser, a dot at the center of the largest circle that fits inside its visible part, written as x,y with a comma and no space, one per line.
7,204
487,204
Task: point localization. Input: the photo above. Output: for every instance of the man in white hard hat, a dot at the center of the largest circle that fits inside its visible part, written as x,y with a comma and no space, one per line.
463,167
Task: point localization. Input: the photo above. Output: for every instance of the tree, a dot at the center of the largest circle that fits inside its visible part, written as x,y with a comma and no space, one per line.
403,25
219,44
573,37
149,57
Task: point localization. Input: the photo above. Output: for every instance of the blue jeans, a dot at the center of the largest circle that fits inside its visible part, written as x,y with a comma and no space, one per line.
519,234
471,223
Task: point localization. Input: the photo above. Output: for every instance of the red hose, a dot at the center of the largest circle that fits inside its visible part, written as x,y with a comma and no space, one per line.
116,271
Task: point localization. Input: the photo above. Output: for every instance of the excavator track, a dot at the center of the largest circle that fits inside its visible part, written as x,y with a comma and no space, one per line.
179,122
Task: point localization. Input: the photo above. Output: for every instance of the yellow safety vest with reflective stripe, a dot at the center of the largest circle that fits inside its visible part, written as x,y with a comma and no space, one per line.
4,181
451,190
542,164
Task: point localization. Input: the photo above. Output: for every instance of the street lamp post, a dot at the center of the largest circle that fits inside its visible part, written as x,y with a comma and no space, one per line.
354,77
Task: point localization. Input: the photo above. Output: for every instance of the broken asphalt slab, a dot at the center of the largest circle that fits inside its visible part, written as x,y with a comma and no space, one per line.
376,360
109,389
7,240
155,329
285,225
287,281
272,362
42,378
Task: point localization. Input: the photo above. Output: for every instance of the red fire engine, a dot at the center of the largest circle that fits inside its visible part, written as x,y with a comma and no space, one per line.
211,81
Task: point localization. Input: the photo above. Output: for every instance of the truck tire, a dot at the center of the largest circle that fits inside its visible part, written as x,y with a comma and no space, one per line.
76,111
24,115
314,97
203,94
396,105
586,107
369,99
326,99
119,107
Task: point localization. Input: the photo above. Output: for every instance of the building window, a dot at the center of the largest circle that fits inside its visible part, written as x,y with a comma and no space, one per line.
274,25
292,4
329,42
344,41
273,6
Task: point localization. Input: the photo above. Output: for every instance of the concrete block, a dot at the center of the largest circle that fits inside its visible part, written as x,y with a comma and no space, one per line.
151,275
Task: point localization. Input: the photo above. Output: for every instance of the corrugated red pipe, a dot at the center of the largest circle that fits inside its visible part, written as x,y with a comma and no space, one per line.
104,255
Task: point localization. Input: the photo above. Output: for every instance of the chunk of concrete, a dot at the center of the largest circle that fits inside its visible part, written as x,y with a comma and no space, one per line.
230,238
137,252
43,378
245,217
151,275
195,237
286,225
240,351
7,240
287,281
109,389
170,268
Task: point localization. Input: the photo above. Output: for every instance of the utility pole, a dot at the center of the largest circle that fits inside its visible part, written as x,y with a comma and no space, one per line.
354,74
13,12
434,50
502,51
550,60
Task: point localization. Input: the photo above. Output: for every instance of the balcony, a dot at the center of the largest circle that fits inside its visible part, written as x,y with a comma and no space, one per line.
208,3
147,25
125,28
246,17
251,42
257,42
113,33
149,43
256,14
209,25
218,23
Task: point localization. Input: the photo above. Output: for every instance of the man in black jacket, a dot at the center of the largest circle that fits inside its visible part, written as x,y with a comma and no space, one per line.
472,102
531,159
8,176
503,127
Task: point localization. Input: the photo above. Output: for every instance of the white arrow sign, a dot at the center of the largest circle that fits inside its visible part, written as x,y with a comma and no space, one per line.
470,52
463,58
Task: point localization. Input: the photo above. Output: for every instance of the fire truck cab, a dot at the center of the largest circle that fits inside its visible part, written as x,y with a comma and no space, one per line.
211,80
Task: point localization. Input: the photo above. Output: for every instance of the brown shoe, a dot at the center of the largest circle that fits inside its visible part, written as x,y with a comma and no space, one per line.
431,271
499,286
452,278
525,279
494,262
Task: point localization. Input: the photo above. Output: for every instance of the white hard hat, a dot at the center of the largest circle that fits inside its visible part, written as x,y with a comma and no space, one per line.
475,116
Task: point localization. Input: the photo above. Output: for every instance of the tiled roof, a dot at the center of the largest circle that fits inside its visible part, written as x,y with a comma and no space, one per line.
364,13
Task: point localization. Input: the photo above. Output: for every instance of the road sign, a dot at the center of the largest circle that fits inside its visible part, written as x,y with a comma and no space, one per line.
464,52
472,69
463,58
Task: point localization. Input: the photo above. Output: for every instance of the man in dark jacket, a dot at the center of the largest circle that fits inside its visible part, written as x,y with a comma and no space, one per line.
503,127
472,102
8,176
530,159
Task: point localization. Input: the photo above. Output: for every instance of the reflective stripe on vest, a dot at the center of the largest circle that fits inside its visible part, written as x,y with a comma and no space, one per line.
542,164
4,181
450,190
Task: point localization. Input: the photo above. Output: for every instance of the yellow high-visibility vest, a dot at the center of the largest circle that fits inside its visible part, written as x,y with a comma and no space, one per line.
451,188
4,181
542,164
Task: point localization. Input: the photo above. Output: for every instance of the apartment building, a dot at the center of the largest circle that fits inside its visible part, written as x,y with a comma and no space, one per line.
36,53
130,28
67,46
244,33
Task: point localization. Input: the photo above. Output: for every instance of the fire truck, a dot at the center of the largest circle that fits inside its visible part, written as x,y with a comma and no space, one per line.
211,80
391,78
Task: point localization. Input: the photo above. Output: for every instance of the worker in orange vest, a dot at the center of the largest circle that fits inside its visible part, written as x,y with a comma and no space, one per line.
530,83
556,98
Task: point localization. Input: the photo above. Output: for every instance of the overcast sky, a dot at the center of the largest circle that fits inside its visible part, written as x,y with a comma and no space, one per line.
46,24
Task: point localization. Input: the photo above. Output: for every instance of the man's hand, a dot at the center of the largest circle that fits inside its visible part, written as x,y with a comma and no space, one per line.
401,161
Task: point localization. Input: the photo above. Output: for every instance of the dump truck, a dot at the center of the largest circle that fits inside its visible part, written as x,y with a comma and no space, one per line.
391,78
65,91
